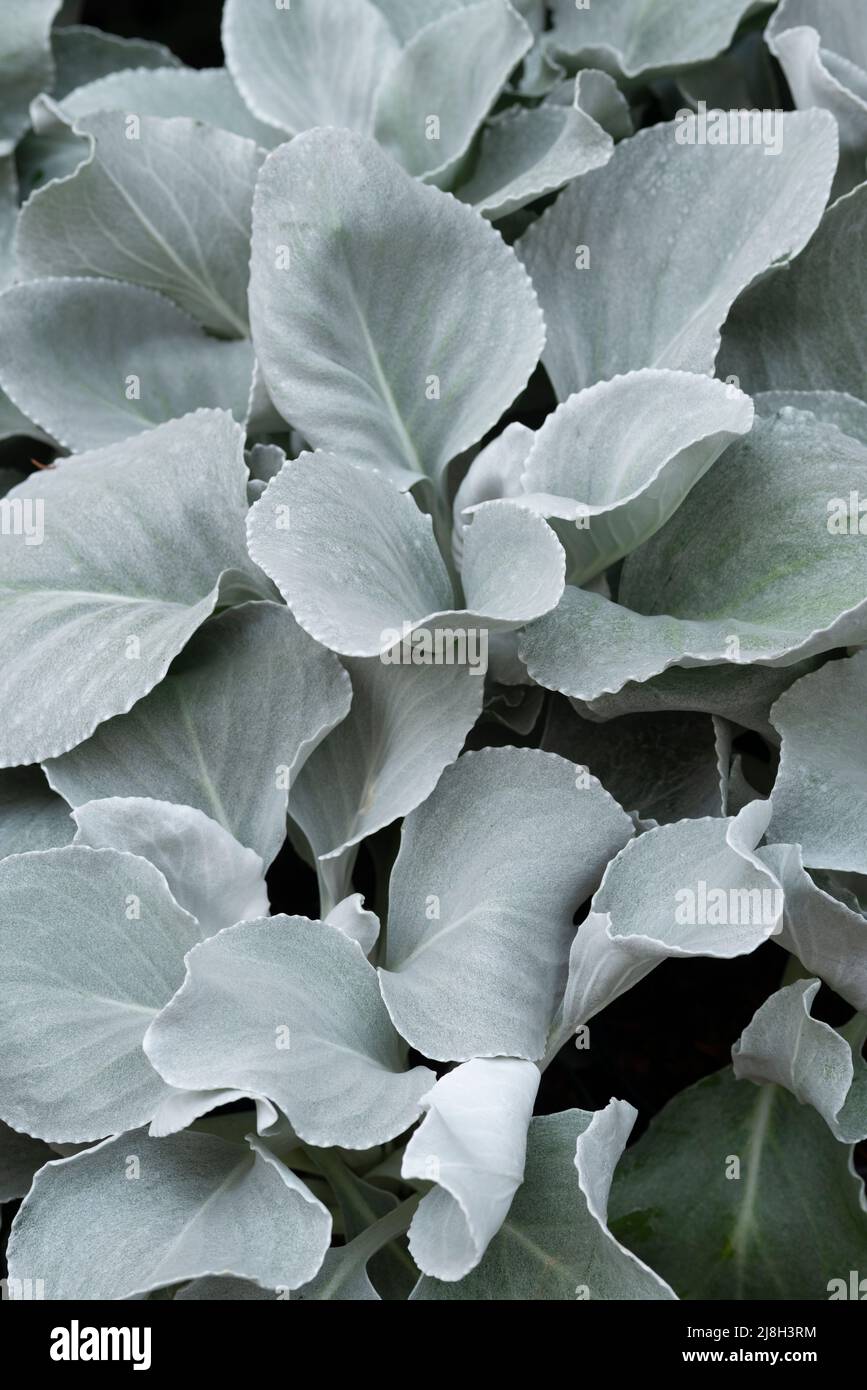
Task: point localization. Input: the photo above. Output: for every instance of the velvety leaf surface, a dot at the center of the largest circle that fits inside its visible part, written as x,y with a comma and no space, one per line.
191,1205
26,66
799,327
820,795
424,81
308,64
94,362
471,1144
202,94
828,936
491,870
103,624
335,350
235,717
32,816
658,431
83,54
821,46
93,947
630,38
555,1244
526,153
695,888
357,562
406,724
170,210
791,590
785,1046
290,1009
210,875
701,220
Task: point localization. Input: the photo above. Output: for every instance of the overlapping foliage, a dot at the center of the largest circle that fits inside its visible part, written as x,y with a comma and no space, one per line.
452,420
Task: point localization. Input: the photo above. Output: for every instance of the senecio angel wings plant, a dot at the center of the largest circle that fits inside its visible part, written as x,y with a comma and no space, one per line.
434,702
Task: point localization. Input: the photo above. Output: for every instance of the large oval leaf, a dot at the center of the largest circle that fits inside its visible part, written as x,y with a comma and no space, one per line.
357,562
97,361
289,1009
233,720
93,946
700,592
137,1214
491,870
701,220
405,725
658,433
630,38
170,210
401,378
744,1239
96,627
308,64
424,84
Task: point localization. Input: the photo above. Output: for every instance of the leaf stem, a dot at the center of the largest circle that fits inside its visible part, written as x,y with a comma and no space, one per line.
395,1223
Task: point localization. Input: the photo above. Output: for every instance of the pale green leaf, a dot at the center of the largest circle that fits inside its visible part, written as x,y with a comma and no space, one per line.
491,870
820,795
828,935
702,221
358,565
698,592
821,46
289,1009
784,1045
93,946
32,816
96,1226
26,66
238,713
405,724
631,38
207,94
658,433
170,209
555,1246
210,875
94,362
527,153
83,54
348,251
121,579
308,64
424,84
694,888
800,327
